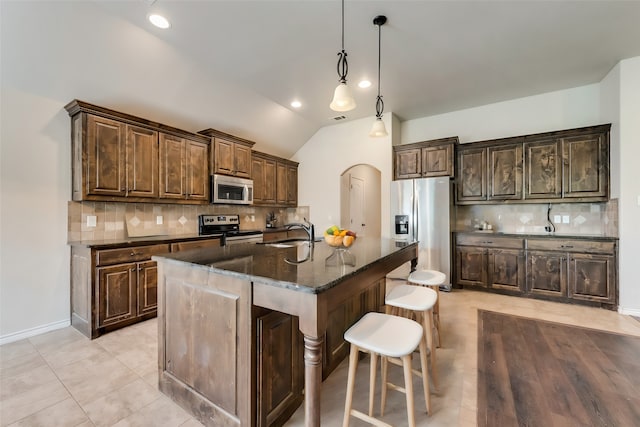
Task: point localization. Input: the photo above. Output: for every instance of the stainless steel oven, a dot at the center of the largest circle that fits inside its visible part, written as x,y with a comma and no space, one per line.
231,190
228,228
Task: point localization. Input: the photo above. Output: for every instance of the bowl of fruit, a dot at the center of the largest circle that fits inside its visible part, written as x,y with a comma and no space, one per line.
339,237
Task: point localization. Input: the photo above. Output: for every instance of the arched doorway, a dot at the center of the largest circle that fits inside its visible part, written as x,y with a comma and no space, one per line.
360,199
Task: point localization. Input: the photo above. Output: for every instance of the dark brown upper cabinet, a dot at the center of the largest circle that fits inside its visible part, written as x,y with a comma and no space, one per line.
424,159
505,172
472,175
543,177
230,155
275,180
121,158
562,166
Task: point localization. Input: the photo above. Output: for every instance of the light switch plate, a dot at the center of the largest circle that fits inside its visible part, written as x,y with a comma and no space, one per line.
159,220
566,219
557,219
92,220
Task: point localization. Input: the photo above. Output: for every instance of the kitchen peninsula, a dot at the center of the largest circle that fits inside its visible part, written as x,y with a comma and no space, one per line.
215,353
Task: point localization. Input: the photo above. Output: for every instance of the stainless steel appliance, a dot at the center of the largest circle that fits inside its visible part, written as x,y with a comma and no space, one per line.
231,190
420,210
228,227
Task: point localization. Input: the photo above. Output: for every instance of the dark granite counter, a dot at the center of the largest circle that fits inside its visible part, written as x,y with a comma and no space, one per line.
295,267
139,241
540,235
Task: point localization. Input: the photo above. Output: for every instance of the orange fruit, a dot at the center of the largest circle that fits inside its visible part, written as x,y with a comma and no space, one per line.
348,240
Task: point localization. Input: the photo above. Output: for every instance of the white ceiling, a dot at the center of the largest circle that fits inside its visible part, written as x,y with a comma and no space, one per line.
437,56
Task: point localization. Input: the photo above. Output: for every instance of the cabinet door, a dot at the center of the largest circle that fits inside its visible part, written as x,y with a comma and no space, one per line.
547,273
105,157
408,164
292,185
506,269
586,167
592,277
142,162
197,171
437,161
172,167
505,172
116,293
257,174
472,182
336,348
195,244
280,367
223,155
242,160
471,265
281,183
147,281
543,170
270,181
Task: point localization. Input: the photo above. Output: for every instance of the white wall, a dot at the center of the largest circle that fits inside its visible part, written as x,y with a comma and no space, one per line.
330,152
629,204
562,109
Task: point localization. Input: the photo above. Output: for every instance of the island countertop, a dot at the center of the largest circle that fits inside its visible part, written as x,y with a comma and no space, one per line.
295,266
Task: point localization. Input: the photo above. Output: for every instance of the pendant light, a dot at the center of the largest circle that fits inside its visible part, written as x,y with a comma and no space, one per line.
342,98
378,129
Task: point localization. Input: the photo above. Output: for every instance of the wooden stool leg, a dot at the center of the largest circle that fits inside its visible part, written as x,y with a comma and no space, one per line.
408,386
436,316
383,395
372,381
353,366
432,348
425,375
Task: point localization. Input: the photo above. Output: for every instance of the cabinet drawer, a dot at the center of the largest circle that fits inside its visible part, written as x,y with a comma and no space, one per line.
489,240
196,244
133,253
565,245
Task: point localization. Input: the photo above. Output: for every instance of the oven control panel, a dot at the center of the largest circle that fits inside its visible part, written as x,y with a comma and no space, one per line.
219,219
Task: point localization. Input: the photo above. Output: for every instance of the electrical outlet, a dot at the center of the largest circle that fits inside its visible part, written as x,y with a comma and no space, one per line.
557,219
253,218
159,220
566,219
92,220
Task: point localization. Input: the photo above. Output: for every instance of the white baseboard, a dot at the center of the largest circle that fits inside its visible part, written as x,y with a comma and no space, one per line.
17,336
629,311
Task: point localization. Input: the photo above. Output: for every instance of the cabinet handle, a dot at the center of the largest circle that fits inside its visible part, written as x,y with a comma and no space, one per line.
567,246
133,269
133,254
488,243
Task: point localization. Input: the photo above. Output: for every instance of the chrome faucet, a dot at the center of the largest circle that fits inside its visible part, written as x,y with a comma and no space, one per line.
308,227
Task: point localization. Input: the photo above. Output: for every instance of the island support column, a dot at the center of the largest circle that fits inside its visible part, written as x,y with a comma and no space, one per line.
312,380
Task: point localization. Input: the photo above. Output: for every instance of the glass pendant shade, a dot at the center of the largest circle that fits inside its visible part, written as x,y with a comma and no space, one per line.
342,99
378,129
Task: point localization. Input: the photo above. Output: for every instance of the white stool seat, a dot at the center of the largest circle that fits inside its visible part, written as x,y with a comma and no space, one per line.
412,297
386,335
427,277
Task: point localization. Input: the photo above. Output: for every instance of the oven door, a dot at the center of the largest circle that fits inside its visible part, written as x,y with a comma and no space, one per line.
231,190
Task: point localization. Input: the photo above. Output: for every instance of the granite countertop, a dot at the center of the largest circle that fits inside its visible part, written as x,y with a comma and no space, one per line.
266,263
146,240
539,235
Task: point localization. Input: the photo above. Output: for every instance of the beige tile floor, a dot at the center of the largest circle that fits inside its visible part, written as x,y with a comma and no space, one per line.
63,379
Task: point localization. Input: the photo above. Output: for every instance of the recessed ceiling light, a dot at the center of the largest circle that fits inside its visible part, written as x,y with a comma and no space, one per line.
364,84
159,21
296,104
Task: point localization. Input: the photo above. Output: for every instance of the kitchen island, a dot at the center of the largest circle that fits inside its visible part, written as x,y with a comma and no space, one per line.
207,335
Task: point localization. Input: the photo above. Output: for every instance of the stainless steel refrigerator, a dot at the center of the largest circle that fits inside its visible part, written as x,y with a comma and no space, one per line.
420,210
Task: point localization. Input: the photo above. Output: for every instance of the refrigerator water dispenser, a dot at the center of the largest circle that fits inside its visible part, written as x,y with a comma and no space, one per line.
402,224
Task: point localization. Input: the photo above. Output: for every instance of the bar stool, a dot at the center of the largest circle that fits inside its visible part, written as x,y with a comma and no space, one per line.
386,336
432,279
419,301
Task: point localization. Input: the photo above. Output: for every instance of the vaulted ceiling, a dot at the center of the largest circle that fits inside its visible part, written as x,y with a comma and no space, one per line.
437,56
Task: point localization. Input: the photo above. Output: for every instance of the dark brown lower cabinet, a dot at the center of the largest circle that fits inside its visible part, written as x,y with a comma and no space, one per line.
561,269
279,367
490,262
279,354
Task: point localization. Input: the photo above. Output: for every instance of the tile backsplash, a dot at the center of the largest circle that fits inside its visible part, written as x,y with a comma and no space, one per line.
122,220
568,218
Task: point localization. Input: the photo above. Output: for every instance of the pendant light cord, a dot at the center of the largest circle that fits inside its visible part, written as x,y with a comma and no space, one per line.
379,103
342,67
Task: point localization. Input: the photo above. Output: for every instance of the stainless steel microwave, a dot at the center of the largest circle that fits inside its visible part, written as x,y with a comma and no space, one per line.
231,190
